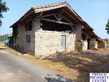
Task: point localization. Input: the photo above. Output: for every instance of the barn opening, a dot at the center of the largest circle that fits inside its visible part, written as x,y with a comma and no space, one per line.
51,26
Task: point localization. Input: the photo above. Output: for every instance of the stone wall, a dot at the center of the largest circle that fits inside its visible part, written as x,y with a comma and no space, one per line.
31,47
78,46
102,44
81,45
19,42
84,45
48,42
43,42
70,42
93,43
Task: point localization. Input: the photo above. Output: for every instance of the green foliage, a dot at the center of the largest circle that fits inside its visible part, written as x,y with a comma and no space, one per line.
3,8
4,37
107,41
107,27
14,36
37,58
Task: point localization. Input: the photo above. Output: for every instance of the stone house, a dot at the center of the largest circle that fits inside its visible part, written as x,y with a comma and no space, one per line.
52,28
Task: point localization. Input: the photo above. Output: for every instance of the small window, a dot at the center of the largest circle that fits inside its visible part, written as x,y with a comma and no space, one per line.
28,38
28,26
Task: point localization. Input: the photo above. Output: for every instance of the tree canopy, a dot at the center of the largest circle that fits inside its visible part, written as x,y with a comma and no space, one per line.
3,8
107,26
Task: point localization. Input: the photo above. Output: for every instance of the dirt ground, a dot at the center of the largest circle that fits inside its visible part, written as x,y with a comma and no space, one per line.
73,65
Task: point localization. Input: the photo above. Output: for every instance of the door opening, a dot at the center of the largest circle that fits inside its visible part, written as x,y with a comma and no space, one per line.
63,42
88,40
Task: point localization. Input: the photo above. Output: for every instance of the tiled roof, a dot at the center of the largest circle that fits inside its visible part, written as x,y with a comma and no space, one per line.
51,5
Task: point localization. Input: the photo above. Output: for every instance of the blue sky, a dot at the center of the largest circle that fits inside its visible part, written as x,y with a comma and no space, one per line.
94,12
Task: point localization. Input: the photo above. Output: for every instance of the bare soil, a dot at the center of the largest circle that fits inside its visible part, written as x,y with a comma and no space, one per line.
73,65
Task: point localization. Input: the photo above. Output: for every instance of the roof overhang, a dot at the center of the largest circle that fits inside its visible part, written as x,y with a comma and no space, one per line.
38,10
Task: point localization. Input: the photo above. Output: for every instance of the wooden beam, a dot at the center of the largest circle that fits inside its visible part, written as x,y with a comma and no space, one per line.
71,15
68,20
49,8
78,17
26,15
55,21
60,13
48,15
73,28
60,18
56,17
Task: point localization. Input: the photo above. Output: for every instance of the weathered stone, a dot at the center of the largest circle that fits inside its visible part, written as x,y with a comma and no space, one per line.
93,43
84,45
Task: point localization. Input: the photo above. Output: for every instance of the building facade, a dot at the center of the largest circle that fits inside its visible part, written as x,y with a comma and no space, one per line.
52,28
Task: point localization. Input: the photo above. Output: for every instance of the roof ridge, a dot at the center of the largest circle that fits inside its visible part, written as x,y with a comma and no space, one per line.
51,5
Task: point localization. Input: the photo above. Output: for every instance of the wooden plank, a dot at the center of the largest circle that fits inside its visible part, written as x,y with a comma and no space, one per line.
48,15
78,17
68,20
73,28
71,16
56,17
55,21
49,8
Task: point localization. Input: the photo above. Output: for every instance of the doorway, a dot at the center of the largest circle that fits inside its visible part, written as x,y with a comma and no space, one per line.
63,42
88,40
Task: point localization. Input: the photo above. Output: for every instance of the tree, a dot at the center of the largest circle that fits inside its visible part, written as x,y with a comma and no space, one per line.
106,40
3,8
107,26
4,37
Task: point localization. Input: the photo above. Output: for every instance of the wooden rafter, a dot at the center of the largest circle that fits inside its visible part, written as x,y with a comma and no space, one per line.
73,28
55,21
58,17
68,20
55,15
60,13
70,15
48,15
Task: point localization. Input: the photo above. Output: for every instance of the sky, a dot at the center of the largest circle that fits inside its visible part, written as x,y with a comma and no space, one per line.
94,12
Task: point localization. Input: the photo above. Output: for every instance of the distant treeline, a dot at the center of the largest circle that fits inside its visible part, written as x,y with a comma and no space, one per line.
107,41
4,37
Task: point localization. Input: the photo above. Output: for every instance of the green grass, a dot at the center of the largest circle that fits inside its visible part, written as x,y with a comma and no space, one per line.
1,42
108,45
37,58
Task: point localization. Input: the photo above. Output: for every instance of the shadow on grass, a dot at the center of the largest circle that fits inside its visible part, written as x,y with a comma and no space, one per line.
84,62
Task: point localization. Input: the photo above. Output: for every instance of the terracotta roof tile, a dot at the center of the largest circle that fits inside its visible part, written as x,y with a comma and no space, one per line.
50,5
